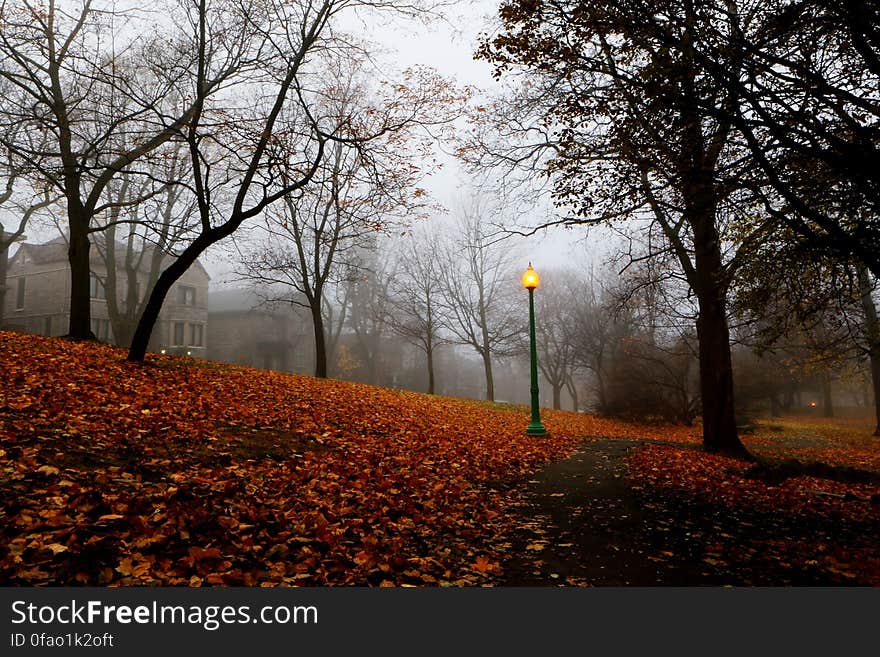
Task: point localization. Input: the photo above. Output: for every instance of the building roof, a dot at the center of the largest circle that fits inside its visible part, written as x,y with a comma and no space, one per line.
231,300
244,300
55,250
52,251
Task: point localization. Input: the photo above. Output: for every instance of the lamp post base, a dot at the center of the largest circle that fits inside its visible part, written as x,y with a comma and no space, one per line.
536,429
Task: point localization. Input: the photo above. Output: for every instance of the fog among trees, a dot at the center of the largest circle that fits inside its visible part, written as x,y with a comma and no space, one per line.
717,243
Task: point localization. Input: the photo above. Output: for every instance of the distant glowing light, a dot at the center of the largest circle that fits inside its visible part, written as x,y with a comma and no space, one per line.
530,279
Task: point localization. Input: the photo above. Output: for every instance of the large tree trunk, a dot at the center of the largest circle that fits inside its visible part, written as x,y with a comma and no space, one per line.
490,383
320,343
80,327
708,279
872,332
557,396
713,334
141,340
4,263
827,401
429,354
716,380
696,168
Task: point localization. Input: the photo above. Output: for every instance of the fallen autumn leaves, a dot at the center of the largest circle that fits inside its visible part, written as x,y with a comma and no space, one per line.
182,472
179,473
775,517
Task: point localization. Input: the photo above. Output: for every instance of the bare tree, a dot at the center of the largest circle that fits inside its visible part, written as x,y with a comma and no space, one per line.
594,329
478,287
147,219
555,307
273,148
415,297
17,198
97,89
335,310
368,313
314,230
320,233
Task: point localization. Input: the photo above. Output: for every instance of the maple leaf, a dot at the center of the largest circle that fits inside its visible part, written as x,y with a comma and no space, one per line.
362,558
483,565
204,553
125,566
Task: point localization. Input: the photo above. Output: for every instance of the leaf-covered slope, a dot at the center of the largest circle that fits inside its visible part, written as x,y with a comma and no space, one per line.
179,472
185,472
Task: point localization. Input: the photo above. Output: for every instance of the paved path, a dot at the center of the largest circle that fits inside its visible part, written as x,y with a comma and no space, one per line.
581,523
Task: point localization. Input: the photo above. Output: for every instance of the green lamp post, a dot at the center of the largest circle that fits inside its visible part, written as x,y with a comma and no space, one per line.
530,282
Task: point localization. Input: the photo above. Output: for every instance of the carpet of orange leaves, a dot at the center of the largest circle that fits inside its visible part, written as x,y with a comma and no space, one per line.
811,473
183,472
179,472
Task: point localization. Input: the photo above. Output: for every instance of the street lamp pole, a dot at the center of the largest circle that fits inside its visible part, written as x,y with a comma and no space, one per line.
530,282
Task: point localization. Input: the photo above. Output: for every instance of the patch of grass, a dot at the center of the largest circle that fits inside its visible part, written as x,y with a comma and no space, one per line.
175,363
773,428
776,472
249,443
745,425
499,406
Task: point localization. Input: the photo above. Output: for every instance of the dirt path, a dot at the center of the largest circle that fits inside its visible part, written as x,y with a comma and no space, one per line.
581,523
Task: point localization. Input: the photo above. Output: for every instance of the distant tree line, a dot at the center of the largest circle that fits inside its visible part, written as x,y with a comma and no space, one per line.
176,133
732,144
721,133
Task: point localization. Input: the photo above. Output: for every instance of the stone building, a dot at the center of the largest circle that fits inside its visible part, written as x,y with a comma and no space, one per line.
245,330
37,299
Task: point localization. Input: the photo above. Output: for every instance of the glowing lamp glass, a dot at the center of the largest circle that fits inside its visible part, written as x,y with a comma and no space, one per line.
530,279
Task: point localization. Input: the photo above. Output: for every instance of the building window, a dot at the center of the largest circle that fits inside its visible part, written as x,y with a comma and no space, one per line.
101,329
47,325
178,334
96,288
186,295
19,296
196,335
299,357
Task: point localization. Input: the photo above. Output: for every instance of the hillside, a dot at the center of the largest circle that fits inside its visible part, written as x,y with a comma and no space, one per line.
179,472
182,472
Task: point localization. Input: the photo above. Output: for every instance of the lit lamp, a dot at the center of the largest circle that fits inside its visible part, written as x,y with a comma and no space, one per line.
530,281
